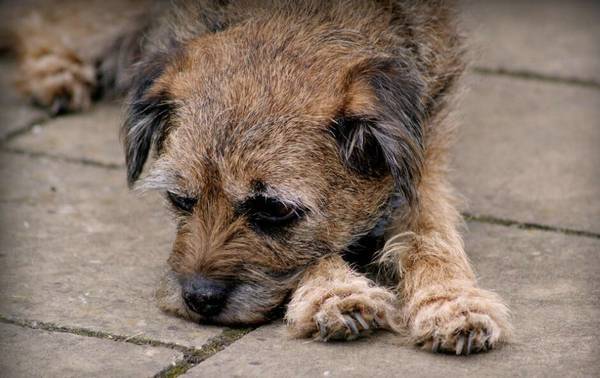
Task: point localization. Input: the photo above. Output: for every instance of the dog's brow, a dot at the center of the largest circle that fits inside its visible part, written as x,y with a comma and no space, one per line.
158,179
281,194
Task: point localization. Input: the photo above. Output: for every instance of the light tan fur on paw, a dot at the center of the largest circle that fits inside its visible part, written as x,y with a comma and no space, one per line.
58,79
459,319
343,306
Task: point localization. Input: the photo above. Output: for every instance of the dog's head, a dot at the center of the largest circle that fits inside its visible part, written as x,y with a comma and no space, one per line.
272,153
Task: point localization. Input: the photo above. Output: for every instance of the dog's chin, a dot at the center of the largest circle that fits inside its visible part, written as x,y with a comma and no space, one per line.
247,304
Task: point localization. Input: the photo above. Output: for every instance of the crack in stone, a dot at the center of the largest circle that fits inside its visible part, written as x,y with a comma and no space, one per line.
80,331
530,75
191,356
66,159
39,120
212,347
528,225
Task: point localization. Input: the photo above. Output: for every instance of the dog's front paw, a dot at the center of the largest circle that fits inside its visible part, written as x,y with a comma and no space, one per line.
341,309
459,320
58,80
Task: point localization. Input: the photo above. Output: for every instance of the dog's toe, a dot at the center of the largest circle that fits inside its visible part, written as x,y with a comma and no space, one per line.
349,318
347,327
344,306
59,81
469,322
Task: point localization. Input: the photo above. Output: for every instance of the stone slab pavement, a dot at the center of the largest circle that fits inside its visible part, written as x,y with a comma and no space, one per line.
83,251
39,353
80,255
528,151
551,39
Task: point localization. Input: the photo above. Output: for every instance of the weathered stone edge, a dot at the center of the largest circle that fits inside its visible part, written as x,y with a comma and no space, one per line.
191,356
535,76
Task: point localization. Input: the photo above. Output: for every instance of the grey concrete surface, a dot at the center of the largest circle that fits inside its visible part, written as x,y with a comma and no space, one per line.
550,37
91,136
549,280
529,151
38,353
78,249
80,254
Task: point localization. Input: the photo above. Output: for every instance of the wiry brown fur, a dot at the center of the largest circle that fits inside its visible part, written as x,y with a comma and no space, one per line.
335,109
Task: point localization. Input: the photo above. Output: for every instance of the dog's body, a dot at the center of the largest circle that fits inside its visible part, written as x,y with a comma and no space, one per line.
302,146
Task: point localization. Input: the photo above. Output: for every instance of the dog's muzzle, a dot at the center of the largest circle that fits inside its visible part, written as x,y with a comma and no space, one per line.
204,296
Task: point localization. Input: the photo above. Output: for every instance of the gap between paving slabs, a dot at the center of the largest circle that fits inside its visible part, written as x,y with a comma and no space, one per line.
530,75
25,129
47,123
191,356
61,158
480,218
36,121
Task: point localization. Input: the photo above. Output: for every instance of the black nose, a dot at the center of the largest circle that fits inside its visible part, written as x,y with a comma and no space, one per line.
204,296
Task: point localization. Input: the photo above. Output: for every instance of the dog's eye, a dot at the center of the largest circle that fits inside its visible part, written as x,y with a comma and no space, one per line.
273,210
184,204
269,214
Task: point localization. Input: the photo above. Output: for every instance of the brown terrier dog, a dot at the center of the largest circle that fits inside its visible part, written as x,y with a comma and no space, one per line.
302,146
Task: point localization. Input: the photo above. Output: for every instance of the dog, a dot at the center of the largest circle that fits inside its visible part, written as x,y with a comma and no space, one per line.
302,147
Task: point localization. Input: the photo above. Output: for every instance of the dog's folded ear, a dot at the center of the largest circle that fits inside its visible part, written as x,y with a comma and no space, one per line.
148,112
379,127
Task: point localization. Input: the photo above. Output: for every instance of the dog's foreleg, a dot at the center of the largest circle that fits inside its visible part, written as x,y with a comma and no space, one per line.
63,47
442,305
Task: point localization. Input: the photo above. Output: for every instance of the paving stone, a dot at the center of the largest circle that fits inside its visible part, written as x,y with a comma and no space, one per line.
548,279
92,135
35,353
529,151
556,38
78,249
16,114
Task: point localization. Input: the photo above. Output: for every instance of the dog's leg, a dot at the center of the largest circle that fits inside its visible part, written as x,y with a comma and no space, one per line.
442,305
61,47
334,302
55,77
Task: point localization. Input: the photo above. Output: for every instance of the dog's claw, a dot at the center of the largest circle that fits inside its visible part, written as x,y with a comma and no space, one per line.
59,105
322,326
487,344
460,343
361,321
378,321
470,342
351,324
435,347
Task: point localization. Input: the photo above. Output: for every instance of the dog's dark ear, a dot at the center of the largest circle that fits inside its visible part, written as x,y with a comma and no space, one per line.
148,113
379,128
